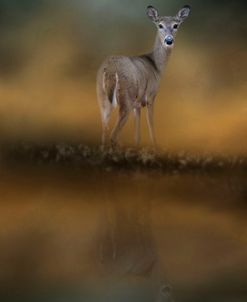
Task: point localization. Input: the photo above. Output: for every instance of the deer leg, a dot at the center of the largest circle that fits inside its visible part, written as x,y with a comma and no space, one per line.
105,115
150,122
122,119
137,112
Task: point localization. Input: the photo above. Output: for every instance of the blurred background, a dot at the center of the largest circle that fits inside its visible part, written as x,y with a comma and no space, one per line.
55,221
50,52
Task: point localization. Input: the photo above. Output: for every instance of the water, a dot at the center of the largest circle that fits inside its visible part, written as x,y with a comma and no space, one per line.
117,236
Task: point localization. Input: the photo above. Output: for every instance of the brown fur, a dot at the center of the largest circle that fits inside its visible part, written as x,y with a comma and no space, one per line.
132,82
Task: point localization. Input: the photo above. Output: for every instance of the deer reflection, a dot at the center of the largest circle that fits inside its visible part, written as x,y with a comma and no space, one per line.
127,251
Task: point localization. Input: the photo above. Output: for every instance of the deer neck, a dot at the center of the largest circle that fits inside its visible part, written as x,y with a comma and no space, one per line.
160,54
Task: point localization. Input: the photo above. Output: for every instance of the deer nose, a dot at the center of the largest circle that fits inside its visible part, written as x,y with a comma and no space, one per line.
169,40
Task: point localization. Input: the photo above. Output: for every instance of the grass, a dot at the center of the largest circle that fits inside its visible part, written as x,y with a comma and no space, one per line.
92,157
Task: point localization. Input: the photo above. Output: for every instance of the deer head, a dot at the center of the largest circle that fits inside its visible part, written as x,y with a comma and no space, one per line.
168,26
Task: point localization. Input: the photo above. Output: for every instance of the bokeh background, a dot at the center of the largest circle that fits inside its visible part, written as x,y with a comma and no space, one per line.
50,52
53,217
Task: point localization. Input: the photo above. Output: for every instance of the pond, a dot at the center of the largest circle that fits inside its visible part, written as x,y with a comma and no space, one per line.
95,235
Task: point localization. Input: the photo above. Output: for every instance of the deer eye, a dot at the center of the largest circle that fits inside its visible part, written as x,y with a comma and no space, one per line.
161,26
175,26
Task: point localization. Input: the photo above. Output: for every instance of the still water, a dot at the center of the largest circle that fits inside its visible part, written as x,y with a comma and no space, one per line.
108,236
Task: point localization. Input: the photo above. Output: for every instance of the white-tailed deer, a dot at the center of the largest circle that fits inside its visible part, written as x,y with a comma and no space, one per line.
132,82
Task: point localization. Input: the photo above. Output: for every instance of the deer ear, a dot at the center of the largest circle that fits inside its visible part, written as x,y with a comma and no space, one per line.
152,13
183,13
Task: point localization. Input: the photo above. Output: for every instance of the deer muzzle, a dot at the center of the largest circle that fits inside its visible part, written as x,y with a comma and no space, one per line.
169,40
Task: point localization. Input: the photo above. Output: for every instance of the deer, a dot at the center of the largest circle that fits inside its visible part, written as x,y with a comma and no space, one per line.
132,82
